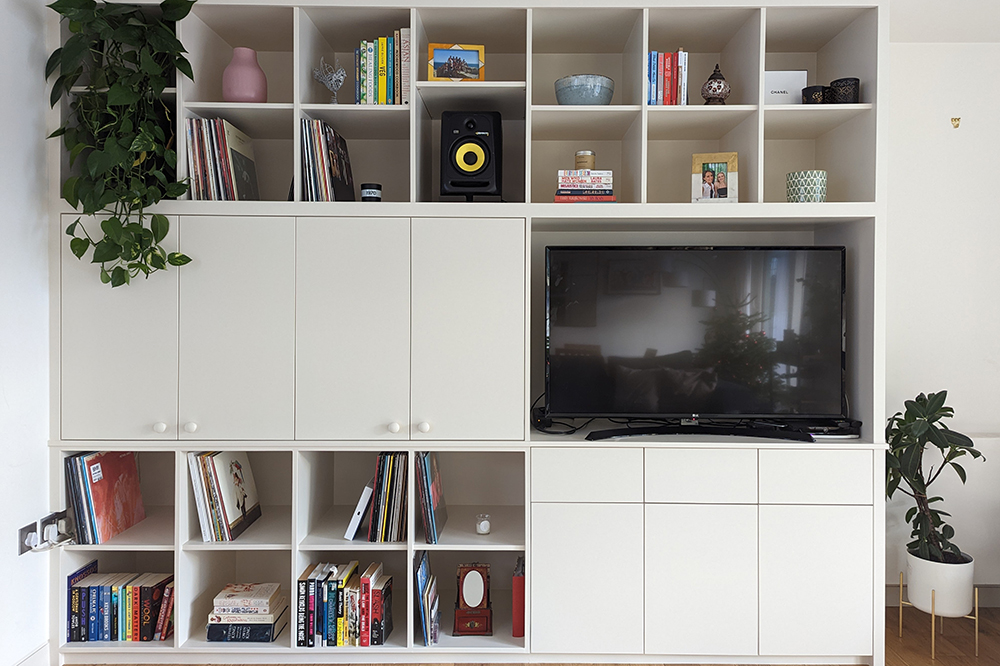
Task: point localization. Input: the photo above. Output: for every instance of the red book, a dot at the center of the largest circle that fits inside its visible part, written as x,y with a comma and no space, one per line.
664,79
370,575
112,479
518,598
668,78
165,607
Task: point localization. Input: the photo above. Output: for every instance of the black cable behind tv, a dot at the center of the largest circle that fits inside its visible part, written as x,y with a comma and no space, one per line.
729,430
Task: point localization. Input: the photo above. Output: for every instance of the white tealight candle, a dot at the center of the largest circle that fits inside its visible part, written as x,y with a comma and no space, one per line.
483,523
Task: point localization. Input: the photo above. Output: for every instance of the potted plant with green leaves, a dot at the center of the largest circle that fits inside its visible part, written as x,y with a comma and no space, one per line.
119,132
933,560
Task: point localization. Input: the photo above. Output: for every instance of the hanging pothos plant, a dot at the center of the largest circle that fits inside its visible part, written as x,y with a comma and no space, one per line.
120,130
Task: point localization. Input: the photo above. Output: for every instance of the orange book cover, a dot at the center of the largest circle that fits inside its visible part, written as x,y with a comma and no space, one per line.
113,492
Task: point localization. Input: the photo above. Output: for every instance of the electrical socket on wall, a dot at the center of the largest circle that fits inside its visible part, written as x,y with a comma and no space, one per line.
23,545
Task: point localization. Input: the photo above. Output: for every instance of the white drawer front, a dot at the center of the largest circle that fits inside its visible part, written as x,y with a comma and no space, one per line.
703,476
586,475
816,477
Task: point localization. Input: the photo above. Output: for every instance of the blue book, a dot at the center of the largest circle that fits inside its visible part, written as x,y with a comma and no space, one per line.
72,627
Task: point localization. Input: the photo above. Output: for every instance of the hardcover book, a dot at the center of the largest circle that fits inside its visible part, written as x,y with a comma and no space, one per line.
263,596
248,632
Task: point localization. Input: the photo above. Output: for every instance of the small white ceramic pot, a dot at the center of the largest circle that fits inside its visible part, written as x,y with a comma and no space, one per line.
952,585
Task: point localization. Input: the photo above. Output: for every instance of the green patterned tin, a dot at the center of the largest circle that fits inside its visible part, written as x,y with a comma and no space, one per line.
801,186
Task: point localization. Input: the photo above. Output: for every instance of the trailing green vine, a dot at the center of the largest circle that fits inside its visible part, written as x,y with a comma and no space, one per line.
119,130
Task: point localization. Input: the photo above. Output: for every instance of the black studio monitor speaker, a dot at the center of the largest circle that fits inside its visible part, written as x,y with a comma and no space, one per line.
471,153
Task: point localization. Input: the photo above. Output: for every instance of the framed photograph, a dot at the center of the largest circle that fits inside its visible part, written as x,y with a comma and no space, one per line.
714,177
456,62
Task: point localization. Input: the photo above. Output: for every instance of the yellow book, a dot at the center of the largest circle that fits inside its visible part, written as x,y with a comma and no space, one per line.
382,70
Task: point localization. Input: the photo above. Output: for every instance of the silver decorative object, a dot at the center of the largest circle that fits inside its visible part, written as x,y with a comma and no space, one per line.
331,77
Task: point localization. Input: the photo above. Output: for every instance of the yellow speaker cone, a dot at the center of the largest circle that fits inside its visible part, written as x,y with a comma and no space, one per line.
464,150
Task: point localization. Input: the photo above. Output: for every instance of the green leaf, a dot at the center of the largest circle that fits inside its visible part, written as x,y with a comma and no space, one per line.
163,41
947,531
909,514
113,228
175,10
936,401
909,461
69,192
178,259
105,277
71,229
148,64
184,67
157,261
105,251
960,470
119,276
119,95
891,486
53,62
73,53
170,157
918,428
100,161
160,225
143,142
915,409
58,132
79,247
57,91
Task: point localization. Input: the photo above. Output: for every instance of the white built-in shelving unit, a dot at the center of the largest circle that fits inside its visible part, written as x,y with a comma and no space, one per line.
314,335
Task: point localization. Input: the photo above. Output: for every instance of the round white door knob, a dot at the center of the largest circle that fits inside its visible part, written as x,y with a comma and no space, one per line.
424,426
159,427
394,427
190,427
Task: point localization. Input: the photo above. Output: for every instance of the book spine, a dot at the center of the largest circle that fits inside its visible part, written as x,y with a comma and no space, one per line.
93,603
363,72
241,633
585,172
106,612
161,618
404,58
364,612
678,68
192,170
583,198
650,78
301,594
517,596
73,612
330,614
168,623
667,72
84,613
684,78
372,73
357,76
582,185
382,70
584,191
339,638
390,70
136,612
397,68
660,79
376,617
145,613
574,181
310,612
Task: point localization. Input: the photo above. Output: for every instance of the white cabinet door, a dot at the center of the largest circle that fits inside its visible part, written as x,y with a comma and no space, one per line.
816,572
467,364
237,328
352,354
701,579
586,578
118,350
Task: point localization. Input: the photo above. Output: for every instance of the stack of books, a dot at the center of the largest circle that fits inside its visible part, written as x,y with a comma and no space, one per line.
382,69
668,78
220,161
433,511
339,605
326,164
224,492
425,584
585,185
248,613
103,491
388,514
119,606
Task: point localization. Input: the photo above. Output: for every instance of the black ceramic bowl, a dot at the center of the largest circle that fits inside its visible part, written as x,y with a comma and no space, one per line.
846,91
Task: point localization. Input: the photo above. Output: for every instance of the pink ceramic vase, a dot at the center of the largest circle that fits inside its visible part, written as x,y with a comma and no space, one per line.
244,80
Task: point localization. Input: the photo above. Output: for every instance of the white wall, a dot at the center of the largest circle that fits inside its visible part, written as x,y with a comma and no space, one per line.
943,308
24,345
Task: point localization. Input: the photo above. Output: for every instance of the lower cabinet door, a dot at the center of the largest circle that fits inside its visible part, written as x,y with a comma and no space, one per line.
701,579
586,578
816,571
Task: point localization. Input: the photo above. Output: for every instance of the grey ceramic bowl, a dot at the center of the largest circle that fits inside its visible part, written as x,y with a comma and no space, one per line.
585,89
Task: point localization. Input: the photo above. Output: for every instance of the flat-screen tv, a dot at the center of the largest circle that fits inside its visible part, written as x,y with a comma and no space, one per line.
695,332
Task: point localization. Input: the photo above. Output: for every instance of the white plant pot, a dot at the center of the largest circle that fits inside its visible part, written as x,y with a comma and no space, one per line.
952,585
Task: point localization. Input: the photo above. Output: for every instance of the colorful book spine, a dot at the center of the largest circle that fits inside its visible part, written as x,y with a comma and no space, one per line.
583,191
683,98
397,68
650,77
301,597
371,72
375,622
404,59
584,198
363,72
668,78
585,172
390,70
660,79
382,70
357,76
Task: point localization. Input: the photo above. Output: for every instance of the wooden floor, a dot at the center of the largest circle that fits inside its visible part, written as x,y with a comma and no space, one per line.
956,647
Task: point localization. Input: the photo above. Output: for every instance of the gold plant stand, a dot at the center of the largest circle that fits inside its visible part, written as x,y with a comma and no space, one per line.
974,616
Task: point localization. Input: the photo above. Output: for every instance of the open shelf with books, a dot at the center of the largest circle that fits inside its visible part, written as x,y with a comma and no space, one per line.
201,575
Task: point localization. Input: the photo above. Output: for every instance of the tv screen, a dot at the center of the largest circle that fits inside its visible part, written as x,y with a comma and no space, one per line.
707,332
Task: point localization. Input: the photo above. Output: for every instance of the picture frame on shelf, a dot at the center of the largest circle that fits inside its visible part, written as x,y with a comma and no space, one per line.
714,177
456,62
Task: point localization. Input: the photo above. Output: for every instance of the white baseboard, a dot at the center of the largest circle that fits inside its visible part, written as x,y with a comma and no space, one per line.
989,595
40,657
